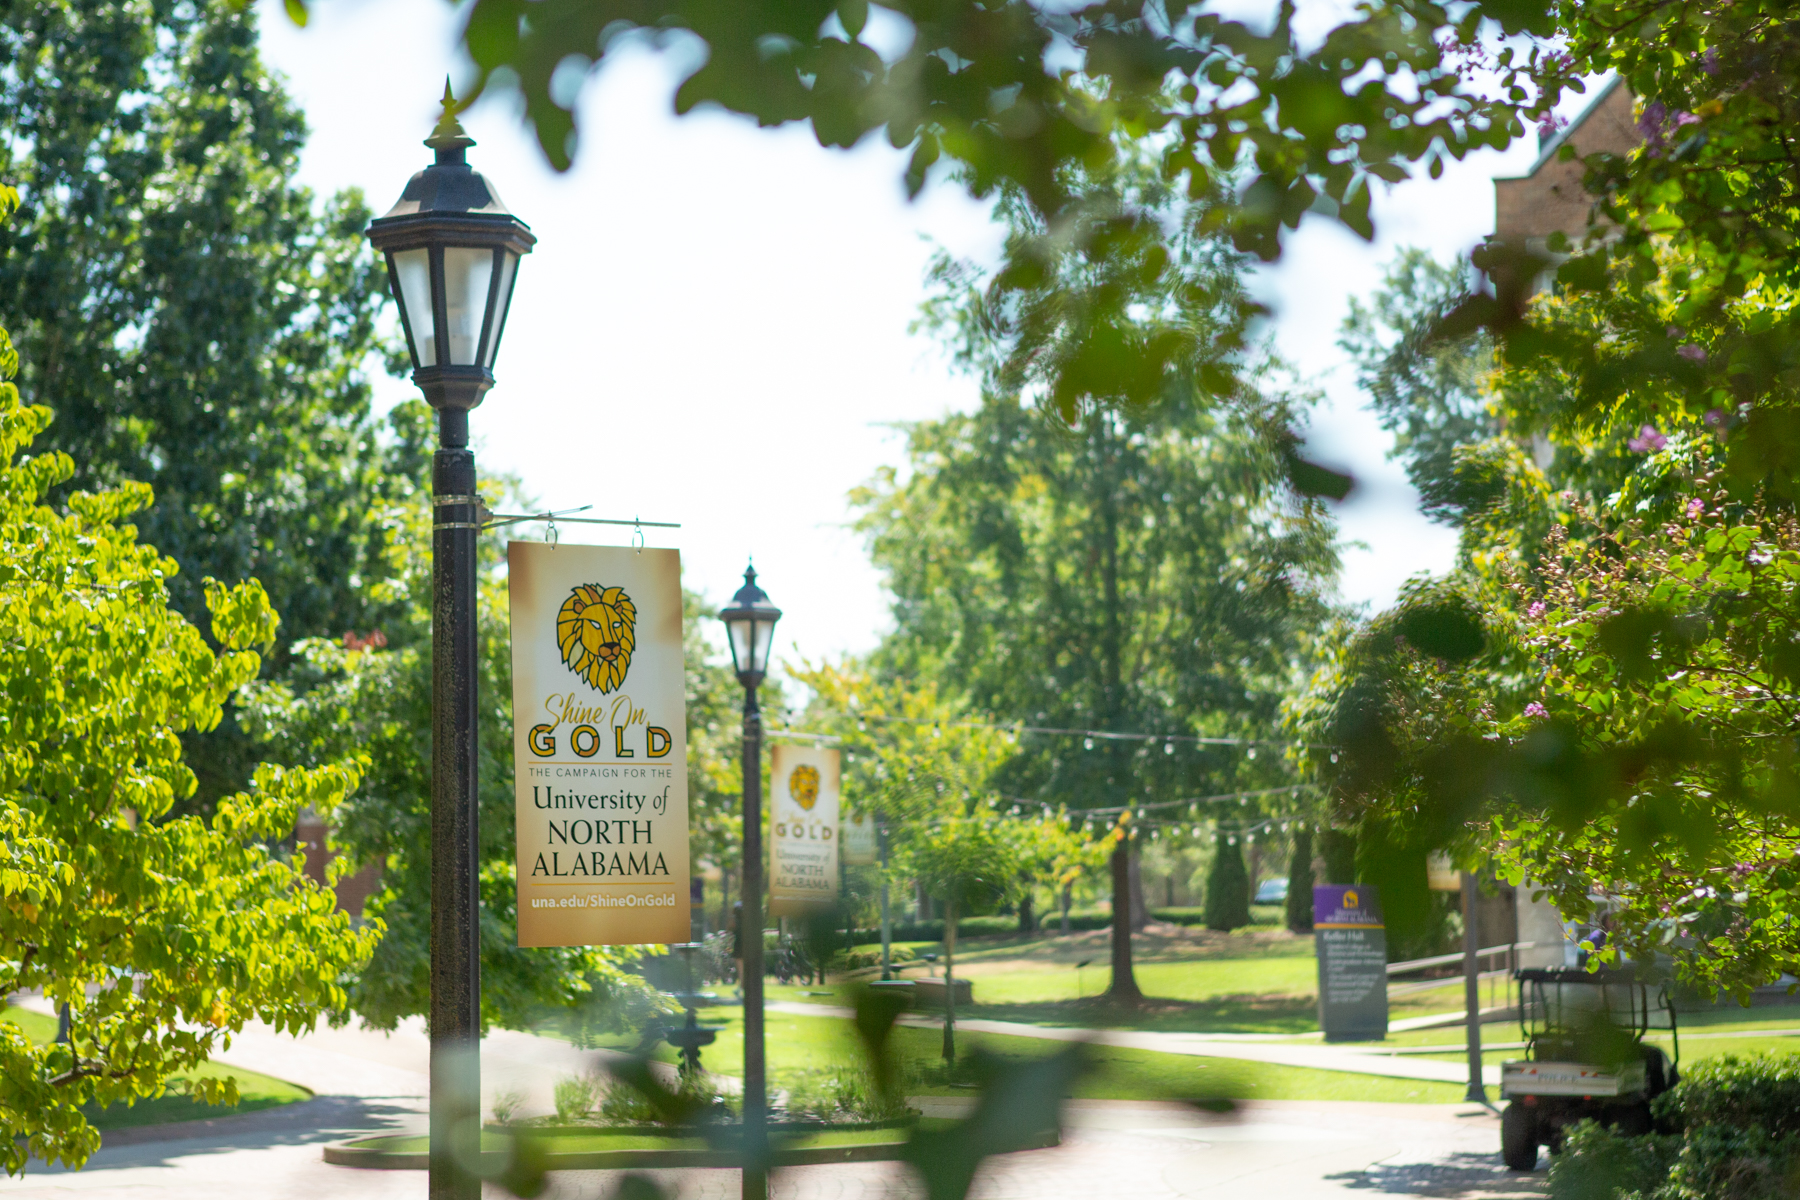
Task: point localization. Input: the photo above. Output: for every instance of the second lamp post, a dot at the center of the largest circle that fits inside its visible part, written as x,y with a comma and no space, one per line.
750,622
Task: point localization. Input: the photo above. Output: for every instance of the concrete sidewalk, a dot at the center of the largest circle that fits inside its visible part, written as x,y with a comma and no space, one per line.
369,1082
363,1081
1314,1056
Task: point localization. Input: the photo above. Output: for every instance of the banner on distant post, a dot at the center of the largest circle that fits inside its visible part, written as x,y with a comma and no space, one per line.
858,836
803,826
599,745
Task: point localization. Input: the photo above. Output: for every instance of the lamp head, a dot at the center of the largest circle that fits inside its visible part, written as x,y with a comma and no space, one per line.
750,623
452,251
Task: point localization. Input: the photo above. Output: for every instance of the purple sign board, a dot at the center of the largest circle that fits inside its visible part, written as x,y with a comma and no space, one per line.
1352,950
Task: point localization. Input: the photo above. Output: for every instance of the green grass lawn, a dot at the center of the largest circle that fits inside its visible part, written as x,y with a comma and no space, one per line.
796,1044
36,1025
1745,1031
1284,974
1259,979
255,1091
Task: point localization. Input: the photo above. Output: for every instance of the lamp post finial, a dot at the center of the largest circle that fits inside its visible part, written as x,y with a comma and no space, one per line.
448,137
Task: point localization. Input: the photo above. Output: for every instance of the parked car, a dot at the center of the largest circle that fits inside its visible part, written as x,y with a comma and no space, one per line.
1271,891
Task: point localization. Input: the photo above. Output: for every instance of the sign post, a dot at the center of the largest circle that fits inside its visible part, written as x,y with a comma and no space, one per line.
1351,942
600,745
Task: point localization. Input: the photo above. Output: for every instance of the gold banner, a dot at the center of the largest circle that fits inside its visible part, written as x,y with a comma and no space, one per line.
803,822
857,841
599,745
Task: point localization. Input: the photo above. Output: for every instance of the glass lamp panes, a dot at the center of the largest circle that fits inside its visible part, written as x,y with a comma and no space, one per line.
761,640
743,638
413,270
468,272
509,266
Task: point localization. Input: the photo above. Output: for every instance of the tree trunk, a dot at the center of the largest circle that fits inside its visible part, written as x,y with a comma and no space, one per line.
1124,988
1140,911
949,982
1025,913
1068,898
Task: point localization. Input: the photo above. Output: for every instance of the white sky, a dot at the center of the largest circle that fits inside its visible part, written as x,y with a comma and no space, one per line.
713,328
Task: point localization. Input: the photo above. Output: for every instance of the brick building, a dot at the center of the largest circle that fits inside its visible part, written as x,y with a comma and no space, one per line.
1549,198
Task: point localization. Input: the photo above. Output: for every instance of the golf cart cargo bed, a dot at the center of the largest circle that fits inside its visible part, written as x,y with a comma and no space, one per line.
1524,1078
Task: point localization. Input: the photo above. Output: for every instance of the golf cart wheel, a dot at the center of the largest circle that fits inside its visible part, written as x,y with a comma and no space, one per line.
1518,1138
1634,1120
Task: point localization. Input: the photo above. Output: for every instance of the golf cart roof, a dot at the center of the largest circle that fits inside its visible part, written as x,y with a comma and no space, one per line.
1625,974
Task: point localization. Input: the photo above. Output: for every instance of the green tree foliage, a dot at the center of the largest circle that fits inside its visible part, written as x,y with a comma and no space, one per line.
187,927
1227,887
1136,569
1426,391
1016,93
1338,849
1599,692
962,859
926,772
911,756
1704,210
195,319
1017,96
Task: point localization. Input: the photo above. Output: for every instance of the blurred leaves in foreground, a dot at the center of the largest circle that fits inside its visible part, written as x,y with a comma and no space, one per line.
1014,1105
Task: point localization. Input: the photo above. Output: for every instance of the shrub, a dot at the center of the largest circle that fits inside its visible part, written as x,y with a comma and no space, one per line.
839,1093
1761,1090
859,959
810,1095
576,1096
1598,1164
1227,888
507,1105
1720,1162
858,1097
1299,914
1740,1140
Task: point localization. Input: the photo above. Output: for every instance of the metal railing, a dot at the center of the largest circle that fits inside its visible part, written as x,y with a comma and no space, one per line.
1510,949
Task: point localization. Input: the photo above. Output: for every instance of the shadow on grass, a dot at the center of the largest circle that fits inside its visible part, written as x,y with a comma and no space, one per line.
168,1109
1216,1014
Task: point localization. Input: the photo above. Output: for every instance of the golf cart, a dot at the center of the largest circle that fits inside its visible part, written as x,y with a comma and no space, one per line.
1586,1057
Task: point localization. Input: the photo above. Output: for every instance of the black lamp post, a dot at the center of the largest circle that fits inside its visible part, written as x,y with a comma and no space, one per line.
452,254
750,622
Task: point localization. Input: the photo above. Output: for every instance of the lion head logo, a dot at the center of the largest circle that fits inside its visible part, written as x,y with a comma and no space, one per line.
803,786
596,632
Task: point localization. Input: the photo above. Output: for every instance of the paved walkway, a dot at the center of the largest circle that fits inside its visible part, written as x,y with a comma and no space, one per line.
368,1082
1371,1061
1127,1150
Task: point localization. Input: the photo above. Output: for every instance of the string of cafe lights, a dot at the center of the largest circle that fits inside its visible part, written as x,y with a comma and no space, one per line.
1136,815
1089,736
1137,818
